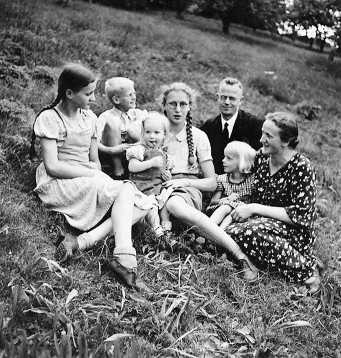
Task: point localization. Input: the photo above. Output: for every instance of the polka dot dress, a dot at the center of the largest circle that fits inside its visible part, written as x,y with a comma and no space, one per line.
273,244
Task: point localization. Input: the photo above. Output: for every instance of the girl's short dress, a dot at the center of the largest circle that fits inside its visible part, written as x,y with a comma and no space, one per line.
83,200
273,244
241,191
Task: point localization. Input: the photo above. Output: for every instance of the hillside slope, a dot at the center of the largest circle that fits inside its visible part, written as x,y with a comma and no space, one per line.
200,306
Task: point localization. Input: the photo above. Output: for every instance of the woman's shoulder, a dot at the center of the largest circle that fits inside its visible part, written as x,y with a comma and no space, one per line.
301,161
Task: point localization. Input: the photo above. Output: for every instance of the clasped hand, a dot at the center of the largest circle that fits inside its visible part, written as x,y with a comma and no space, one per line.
242,212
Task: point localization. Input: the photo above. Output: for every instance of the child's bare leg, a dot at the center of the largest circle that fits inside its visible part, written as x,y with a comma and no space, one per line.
165,219
181,210
226,222
111,138
154,220
220,213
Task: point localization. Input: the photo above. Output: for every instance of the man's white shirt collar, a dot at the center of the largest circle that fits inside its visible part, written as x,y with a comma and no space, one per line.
230,122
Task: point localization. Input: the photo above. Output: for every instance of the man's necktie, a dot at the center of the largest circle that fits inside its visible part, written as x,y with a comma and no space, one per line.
226,134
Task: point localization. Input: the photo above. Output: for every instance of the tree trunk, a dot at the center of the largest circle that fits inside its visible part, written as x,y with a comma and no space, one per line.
226,23
180,6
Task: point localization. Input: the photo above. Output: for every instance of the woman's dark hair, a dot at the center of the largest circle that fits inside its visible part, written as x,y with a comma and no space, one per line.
74,77
287,124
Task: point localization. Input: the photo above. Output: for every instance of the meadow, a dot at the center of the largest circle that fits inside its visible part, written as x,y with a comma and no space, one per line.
200,306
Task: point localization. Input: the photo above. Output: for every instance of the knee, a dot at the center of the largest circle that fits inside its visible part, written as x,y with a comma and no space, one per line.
176,207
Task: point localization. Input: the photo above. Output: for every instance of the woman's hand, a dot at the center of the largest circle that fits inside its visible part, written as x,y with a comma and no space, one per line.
242,212
177,183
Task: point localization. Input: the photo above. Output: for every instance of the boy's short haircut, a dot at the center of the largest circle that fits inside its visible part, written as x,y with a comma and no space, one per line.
230,81
115,85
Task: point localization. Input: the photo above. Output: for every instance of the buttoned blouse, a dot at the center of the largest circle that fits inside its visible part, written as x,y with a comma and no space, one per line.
178,151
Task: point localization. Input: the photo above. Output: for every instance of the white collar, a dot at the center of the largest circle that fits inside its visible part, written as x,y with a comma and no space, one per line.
230,122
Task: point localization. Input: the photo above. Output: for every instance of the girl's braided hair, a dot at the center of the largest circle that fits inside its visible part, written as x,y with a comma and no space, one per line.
74,77
192,95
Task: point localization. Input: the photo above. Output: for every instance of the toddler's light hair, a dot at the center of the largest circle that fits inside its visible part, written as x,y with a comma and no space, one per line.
230,81
245,153
115,85
158,116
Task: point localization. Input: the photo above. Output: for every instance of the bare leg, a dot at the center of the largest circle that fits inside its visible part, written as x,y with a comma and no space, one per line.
89,239
226,222
165,219
220,213
184,212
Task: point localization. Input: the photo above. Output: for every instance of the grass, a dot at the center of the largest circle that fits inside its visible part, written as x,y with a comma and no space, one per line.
200,306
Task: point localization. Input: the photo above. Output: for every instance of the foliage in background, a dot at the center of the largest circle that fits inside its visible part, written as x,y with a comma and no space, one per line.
200,306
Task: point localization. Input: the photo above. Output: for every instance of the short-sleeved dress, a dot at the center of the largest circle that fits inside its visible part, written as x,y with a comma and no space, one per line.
150,180
274,244
242,191
82,200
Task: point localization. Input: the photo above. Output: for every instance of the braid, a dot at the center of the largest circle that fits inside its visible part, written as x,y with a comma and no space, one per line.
33,136
189,137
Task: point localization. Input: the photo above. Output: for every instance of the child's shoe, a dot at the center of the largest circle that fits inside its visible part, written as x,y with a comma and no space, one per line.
159,232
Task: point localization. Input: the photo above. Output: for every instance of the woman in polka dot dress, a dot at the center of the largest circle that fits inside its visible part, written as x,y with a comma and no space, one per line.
276,230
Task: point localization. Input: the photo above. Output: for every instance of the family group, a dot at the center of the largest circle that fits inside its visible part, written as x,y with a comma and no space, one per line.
105,174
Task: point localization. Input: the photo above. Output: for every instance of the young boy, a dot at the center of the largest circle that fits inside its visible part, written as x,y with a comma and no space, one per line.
118,127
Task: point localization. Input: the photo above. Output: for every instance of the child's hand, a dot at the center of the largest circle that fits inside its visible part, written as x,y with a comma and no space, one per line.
158,162
233,197
121,147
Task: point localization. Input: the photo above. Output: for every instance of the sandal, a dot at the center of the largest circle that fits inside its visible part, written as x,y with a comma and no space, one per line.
126,274
66,248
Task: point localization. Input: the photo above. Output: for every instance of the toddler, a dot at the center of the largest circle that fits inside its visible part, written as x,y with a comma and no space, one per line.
233,187
149,167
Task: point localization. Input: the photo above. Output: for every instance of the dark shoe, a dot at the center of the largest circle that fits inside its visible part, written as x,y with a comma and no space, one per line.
66,248
127,275
250,272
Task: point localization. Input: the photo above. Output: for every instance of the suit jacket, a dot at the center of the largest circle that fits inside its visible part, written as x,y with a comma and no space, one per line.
247,128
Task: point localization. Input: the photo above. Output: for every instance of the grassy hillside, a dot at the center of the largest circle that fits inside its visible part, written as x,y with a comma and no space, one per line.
200,307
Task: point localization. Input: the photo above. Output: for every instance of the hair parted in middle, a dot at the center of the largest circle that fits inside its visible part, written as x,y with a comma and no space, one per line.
192,96
245,153
115,85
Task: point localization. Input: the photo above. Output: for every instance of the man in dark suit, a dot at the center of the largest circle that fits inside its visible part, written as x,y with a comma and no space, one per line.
232,123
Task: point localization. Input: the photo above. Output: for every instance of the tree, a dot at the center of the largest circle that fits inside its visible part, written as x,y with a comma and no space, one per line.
258,14
314,14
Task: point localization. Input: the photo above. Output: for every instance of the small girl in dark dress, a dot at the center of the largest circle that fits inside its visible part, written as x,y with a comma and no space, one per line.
233,187
149,168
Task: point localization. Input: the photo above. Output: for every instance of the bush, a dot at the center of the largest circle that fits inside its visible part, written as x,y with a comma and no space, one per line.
273,86
15,117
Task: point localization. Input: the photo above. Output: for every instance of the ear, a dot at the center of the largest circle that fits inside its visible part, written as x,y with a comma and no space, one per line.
115,99
69,93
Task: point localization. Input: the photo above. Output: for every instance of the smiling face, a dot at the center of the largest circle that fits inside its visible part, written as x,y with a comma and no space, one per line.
230,162
177,107
229,99
153,132
83,97
271,140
